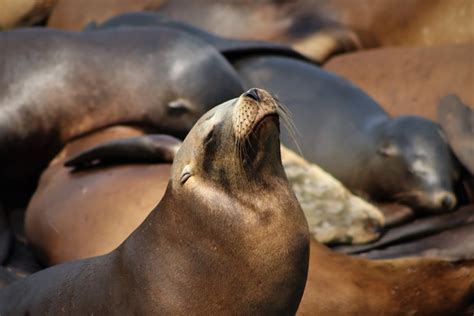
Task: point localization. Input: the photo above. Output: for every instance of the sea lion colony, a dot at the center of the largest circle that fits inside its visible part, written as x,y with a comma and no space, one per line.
136,220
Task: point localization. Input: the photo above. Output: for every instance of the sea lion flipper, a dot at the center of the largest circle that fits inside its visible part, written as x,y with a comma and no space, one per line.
457,121
147,148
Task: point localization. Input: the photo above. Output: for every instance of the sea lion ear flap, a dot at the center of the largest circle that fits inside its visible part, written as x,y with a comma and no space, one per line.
179,107
388,149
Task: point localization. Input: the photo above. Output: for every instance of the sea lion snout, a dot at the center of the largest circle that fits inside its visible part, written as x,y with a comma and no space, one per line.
434,201
253,94
445,200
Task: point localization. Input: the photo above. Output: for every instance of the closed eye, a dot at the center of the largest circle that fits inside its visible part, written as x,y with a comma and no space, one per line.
209,137
185,174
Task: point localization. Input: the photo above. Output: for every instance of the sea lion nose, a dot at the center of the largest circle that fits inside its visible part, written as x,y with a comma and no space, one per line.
448,201
253,94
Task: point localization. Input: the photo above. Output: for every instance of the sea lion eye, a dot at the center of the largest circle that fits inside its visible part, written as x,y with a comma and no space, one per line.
209,136
179,107
185,174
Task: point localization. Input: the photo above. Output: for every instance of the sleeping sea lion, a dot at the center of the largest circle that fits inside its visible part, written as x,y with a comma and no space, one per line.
209,247
56,85
348,134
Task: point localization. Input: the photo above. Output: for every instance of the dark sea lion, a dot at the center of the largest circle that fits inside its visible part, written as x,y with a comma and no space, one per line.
56,85
415,78
209,246
342,285
348,134
228,47
89,213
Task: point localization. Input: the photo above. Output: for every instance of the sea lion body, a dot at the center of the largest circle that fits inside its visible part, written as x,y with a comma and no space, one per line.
75,215
56,85
89,210
349,135
414,80
342,285
239,256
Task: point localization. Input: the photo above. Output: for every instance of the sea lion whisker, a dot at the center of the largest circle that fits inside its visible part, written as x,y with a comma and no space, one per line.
290,127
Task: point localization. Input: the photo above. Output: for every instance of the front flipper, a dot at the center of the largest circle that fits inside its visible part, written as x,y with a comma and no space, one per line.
457,121
141,149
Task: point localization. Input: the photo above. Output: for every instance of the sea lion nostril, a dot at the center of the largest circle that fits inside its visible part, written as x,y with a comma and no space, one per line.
253,94
448,202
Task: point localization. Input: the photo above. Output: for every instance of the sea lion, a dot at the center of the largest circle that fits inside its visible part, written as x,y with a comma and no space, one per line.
89,212
349,135
415,78
371,23
207,239
342,285
425,161
288,23
56,85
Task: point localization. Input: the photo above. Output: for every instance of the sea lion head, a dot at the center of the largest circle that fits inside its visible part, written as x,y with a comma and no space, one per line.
419,163
184,93
234,145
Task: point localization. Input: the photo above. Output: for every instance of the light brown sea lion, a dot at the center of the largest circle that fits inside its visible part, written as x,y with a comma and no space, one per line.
209,247
410,80
89,213
304,29
342,285
365,23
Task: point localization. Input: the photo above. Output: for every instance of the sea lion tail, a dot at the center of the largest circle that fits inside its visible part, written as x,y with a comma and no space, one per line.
142,149
328,42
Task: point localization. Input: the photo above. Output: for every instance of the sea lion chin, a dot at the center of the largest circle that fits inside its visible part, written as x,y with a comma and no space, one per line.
209,247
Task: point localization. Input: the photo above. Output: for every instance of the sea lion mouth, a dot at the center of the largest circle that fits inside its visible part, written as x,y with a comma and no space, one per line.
438,201
256,119
251,110
270,118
